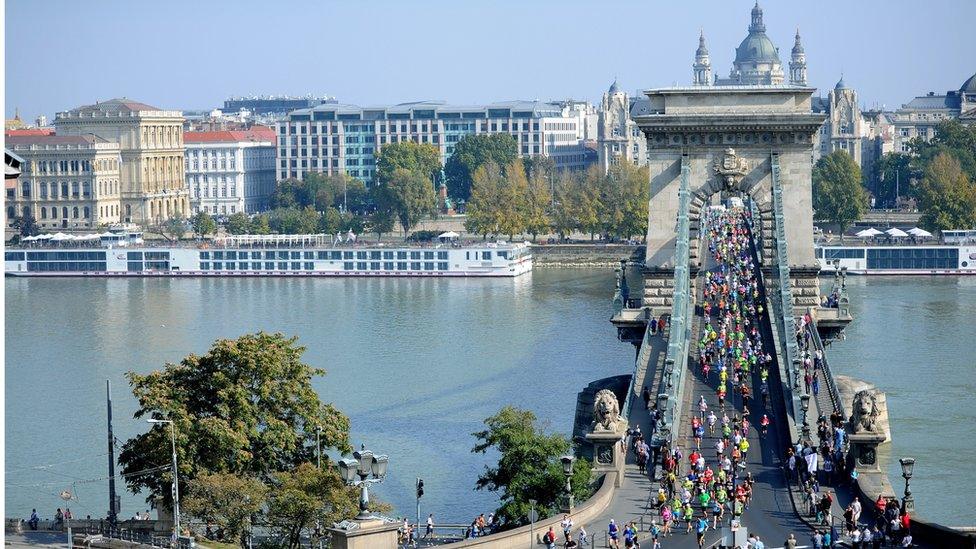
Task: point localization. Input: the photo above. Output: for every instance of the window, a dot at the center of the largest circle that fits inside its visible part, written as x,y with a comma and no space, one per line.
414,265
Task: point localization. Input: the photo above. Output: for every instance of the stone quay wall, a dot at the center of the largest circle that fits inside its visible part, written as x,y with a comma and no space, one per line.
581,255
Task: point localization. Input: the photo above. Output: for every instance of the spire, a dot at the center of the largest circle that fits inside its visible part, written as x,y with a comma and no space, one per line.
702,48
757,19
797,46
703,65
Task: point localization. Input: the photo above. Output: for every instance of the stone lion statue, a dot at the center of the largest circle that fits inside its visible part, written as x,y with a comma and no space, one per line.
606,411
866,412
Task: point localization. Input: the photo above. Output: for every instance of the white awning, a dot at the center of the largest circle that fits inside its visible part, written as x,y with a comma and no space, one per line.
894,231
919,232
868,232
448,234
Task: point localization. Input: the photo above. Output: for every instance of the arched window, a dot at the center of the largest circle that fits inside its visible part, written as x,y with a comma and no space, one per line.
43,212
87,212
74,212
128,210
64,212
25,211
11,213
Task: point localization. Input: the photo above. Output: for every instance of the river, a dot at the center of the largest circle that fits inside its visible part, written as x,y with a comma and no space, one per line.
418,364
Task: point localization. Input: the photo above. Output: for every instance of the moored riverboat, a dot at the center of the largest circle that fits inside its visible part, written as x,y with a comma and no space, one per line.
923,259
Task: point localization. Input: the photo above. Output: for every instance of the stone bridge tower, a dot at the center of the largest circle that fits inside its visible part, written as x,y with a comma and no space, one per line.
741,128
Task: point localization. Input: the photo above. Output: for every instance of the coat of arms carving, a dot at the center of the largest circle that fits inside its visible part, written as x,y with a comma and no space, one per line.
731,168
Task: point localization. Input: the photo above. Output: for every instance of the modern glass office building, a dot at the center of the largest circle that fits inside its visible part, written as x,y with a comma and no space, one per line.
338,138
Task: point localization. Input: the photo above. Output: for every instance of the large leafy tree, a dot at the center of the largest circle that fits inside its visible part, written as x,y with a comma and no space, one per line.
409,196
246,407
238,223
226,500
528,466
624,197
838,195
947,197
538,204
420,158
293,221
483,211
203,224
259,225
513,202
953,137
26,225
472,152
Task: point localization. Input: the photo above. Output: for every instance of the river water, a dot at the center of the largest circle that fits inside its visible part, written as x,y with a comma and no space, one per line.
418,364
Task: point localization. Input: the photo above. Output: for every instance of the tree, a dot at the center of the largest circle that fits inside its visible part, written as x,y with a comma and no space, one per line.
472,152
538,205
246,407
203,224
227,501
407,195
286,194
421,158
308,496
294,221
330,222
26,225
259,225
947,198
838,195
381,221
951,136
588,203
238,224
891,177
483,211
528,466
565,218
623,203
513,199
173,228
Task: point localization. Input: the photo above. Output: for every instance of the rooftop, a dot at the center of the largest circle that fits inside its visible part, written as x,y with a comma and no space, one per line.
49,139
254,134
29,131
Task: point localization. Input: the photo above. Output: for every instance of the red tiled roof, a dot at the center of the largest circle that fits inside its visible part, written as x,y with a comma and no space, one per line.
29,131
255,133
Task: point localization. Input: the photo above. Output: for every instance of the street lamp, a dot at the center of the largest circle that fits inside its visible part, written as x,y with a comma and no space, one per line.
176,478
907,468
805,406
363,464
568,502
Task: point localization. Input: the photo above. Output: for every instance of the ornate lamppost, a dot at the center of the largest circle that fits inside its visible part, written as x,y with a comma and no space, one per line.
568,502
363,464
907,468
805,406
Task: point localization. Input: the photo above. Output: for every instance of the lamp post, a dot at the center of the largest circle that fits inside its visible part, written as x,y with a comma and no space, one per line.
363,464
568,502
907,468
805,406
176,479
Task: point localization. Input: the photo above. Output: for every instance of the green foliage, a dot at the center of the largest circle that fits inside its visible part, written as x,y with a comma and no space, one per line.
951,137
484,207
225,500
891,176
260,225
947,197
353,222
293,221
319,192
623,201
472,152
538,204
246,407
512,200
330,222
203,224
420,158
307,496
238,223
422,236
408,196
26,225
173,228
838,195
528,466
381,222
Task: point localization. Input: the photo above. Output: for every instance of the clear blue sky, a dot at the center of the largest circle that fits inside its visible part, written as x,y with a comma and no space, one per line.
182,54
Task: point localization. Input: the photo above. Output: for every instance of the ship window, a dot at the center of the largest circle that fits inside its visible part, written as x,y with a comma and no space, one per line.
282,255
309,266
268,265
467,255
204,265
296,255
361,265
14,256
442,265
441,255
387,265
374,265
132,256
414,265
347,255
322,255
360,255
232,266
218,255
387,255
414,255
204,255
309,255
401,255
374,255
503,255
242,255
282,265
428,255
218,266
485,255
335,255
296,265
232,255
347,265
401,265
428,265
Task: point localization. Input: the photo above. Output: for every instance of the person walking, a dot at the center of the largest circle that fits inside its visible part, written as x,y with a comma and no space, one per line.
790,542
429,532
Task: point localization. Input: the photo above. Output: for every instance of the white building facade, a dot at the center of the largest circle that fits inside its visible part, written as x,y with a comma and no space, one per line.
230,172
920,116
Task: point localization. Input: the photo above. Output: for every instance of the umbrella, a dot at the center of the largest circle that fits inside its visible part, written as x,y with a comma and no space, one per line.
919,232
28,238
868,232
61,236
894,231
449,234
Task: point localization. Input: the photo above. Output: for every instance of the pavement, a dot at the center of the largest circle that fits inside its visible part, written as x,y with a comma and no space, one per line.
36,539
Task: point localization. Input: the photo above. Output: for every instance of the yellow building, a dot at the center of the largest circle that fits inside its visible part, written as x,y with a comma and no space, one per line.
153,187
66,181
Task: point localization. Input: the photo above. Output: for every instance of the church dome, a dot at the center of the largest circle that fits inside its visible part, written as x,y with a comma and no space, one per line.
757,48
840,84
969,86
613,87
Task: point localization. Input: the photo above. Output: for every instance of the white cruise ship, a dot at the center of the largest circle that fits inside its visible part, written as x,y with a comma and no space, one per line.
284,255
934,259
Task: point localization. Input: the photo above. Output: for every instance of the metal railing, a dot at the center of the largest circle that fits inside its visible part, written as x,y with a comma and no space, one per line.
832,390
675,362
788,325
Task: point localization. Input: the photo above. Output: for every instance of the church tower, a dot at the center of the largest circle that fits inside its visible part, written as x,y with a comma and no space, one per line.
703,65
798,63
